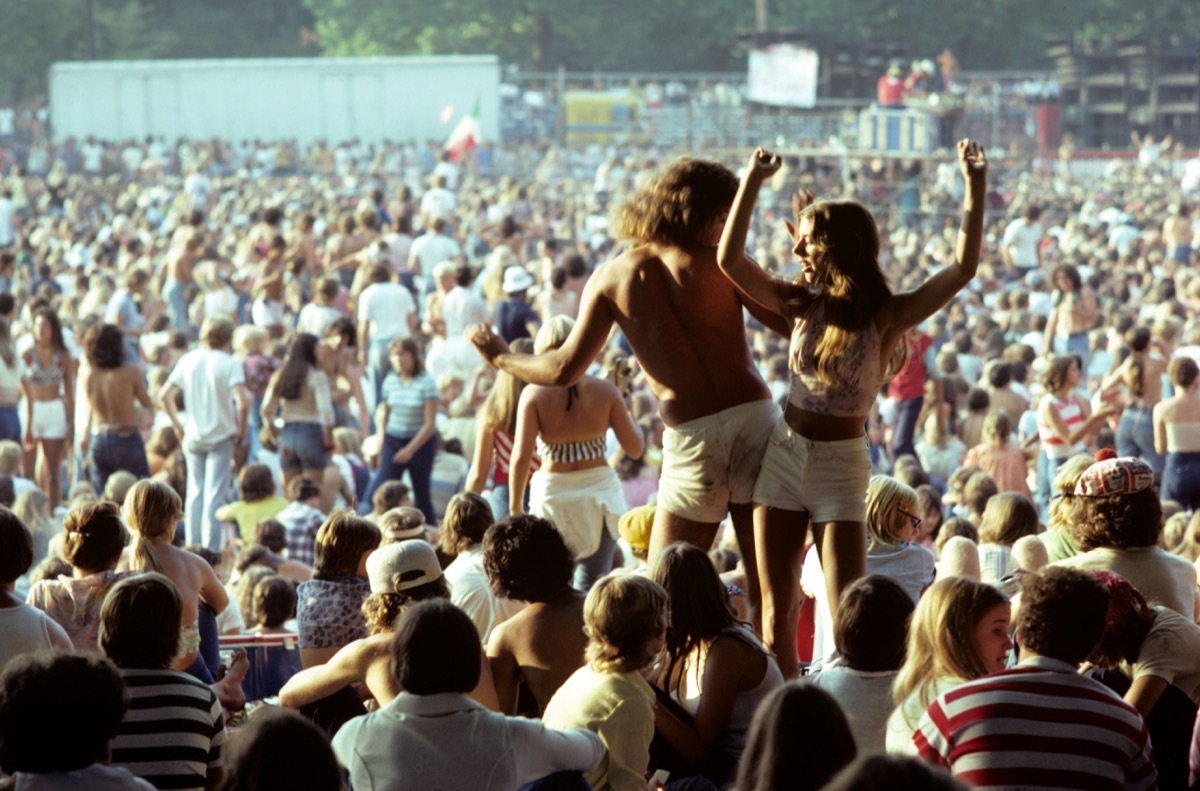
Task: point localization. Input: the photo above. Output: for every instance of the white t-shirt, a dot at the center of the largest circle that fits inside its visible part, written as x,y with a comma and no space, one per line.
1023,238
431,249
316,318
387,306
208,378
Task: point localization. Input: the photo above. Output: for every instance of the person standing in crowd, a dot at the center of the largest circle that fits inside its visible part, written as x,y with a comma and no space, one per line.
1065,420
1072,316
1177,434
386,311
12,371
211,383
124,311
301,390
575,488
404,424
48,385
685,323
848,335
907,387
495,428
1142,374
112,437
1021,247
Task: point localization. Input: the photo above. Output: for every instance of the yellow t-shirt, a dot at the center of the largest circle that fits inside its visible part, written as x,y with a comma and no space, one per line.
247,515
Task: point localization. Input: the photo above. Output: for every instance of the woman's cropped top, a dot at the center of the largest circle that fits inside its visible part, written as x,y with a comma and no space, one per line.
44,375
568,452
856,372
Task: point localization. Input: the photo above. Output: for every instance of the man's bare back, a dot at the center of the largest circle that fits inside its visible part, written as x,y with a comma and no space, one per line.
108,393
682,318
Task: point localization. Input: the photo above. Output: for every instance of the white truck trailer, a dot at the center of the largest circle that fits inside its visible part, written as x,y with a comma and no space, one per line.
331,99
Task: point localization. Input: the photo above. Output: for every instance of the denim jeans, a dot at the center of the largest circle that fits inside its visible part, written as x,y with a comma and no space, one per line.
175,294
1181,479
907,412
1135,437
302,447
1074,344
380,365
115,451
209,482
595,565
10,423
1047,468
420,470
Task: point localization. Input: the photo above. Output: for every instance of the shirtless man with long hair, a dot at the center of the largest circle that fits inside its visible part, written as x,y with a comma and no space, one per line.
684,320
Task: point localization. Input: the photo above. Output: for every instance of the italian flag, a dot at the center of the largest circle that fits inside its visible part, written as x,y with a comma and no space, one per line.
465,136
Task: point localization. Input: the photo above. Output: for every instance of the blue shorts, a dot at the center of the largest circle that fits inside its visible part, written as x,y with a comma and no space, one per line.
302,447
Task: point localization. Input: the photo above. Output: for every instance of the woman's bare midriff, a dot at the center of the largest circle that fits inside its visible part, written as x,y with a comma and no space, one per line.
44,392
824,428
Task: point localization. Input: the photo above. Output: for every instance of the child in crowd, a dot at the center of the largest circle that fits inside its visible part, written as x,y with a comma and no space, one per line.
999,457
259,500
1007,518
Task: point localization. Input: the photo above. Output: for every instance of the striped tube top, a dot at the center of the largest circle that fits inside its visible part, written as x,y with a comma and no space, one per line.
567,452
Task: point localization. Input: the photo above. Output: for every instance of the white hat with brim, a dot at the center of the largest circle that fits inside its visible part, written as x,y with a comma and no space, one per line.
399,567
516,279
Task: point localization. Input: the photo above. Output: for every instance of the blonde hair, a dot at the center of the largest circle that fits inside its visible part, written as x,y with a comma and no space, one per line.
997,427
1007,517
347,440
1061,513
249,339
151,510
553,334
499,410
886,496
940,643
621,614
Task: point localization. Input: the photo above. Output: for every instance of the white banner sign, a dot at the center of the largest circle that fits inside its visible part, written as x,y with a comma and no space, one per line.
783,75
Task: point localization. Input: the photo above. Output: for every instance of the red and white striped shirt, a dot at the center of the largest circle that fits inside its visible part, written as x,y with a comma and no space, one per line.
1039,725
1072,416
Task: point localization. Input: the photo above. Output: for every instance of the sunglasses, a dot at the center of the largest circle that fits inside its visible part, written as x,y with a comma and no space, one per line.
916,520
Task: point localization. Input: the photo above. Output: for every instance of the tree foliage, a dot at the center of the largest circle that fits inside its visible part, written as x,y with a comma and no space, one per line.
610,35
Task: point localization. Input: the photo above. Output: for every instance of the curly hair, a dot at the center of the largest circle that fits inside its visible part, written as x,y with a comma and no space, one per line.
526,559
1121,521
382,609
678,205
106,347
1062,615
621,615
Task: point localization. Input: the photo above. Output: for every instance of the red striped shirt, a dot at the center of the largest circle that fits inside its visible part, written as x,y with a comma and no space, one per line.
1040,725
503,457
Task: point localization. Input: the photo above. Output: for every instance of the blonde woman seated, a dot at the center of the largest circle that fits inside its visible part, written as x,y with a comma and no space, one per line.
575,488
959,633
1005,461
625,618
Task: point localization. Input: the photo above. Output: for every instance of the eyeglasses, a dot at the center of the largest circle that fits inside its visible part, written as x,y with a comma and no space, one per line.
916,520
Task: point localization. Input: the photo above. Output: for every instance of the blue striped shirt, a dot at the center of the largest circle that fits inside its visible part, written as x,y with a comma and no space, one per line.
406,402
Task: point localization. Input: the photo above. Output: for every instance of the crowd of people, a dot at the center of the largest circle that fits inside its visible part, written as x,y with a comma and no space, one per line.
674,474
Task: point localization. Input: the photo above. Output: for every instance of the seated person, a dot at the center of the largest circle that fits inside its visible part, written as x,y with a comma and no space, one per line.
174,730
26,629
39,695
432,735
274,605
541,646
625,618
